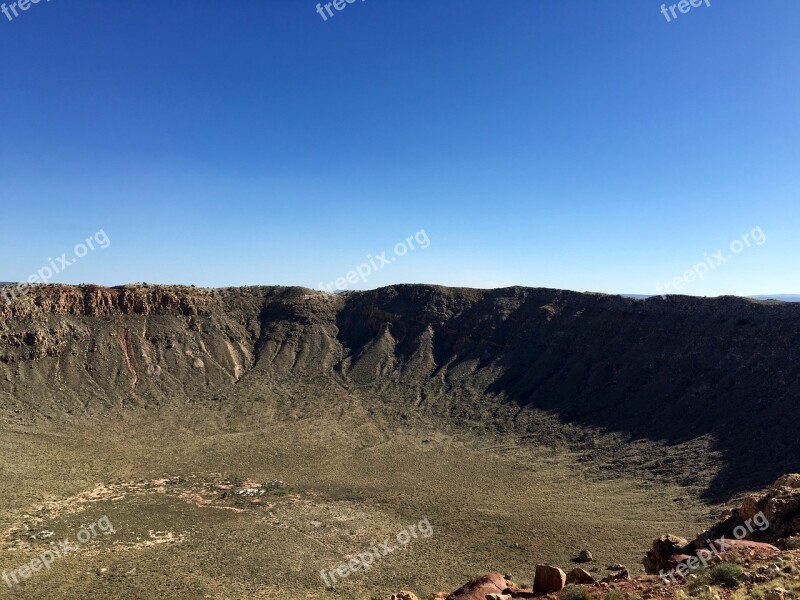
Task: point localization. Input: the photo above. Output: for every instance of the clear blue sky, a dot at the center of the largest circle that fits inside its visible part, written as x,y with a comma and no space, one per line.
579,144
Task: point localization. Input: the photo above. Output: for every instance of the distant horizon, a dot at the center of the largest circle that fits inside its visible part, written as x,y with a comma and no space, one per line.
780,296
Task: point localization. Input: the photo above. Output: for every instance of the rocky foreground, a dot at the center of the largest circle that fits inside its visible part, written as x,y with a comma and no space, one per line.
753,553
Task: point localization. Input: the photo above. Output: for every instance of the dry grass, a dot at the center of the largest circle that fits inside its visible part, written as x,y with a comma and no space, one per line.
350,484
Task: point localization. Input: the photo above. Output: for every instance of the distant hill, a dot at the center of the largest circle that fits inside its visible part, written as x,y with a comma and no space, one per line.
782,297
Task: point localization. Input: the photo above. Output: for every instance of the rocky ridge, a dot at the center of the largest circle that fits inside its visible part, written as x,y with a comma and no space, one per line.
714,379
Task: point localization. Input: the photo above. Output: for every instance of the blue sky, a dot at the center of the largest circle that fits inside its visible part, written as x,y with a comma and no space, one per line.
578,144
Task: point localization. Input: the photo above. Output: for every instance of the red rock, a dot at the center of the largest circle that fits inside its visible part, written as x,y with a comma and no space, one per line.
662,550
548,579
580,576
747,545
478,589
676,559
617,576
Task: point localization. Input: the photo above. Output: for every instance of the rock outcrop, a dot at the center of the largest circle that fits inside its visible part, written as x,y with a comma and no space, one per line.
771,516
663,549
780,505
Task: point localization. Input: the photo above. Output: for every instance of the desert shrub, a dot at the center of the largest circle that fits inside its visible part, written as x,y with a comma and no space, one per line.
709,593
615,595
727,575
757,593
235,480
574,592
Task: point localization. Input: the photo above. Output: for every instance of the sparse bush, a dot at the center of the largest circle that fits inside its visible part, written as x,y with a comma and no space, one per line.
757,593
710,593
574,592
235,480
727,575
615,595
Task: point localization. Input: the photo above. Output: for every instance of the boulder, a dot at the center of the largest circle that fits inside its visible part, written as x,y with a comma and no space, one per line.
478,589
675,560
748,545
622,575
664,547
548,580
580,576
777,593
584,556
745,547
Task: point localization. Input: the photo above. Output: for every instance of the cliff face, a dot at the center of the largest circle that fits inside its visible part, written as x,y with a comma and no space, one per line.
535,362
